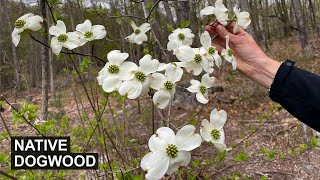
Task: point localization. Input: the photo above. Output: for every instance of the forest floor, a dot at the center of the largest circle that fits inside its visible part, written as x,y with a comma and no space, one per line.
266,140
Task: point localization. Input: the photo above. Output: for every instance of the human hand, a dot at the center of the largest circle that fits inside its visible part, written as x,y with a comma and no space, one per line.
251,60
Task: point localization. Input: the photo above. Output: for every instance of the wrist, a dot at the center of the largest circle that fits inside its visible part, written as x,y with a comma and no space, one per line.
265,72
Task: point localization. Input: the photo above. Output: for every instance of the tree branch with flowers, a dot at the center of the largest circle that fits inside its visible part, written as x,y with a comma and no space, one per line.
168,150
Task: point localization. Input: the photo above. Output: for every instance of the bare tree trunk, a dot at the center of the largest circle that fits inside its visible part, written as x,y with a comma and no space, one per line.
302,26
313,17
14,50
264,25
44,64
168,13
244,6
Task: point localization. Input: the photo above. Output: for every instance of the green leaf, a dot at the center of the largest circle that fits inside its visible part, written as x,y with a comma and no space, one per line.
315,142
149,5
192,121
264,178
170,28
185,24
3,158
242,157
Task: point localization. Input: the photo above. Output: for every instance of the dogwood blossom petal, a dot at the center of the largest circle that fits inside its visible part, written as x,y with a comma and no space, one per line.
157,81
55,46
34,23
205,130
205,39
99,31
195,86
174,73
161,98
160,140
59,28
218,118
220,147
207,10
16,36
116,57
186,139
148,65
207,81
202,98
132,89
194,68
127,70
185,53
84,27
183,159
156,164
111,84
140,38
145,27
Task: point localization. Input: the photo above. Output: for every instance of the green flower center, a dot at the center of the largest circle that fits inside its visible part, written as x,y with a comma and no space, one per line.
203,89
211,50
215,134
181,36
62,38
230,52
88,34
137,31
168,85
172,150
140,76
113,69
198,58
19,23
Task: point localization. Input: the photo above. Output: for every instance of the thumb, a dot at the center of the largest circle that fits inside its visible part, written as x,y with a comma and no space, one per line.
222,32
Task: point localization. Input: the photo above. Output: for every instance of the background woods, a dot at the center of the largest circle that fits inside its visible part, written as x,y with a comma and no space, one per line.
59,95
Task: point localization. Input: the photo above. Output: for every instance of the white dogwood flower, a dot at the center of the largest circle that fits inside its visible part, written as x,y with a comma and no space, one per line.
138,83
111,75
164,66
213,131
201,88
209,51
194,59
27,21
139,33
62,38
243,19
227,54
89,32
178,38
169,151
165,85
219,11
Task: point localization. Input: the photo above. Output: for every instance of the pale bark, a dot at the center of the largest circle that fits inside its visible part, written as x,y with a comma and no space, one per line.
302,26
44,64
168,13
14,50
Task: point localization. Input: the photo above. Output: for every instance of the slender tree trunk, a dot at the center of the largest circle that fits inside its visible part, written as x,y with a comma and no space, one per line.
14,50
265,26
244,6
313,17
168,12
302,26
44,64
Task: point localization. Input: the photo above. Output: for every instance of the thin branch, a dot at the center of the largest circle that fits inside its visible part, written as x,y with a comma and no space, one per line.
8,175
5,124
51,12
23,117
63,52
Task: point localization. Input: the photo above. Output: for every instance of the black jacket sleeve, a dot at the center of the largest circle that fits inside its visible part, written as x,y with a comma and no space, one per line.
298,91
